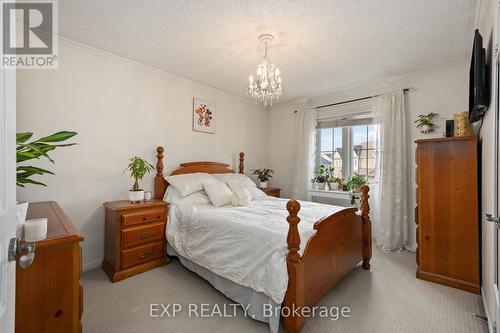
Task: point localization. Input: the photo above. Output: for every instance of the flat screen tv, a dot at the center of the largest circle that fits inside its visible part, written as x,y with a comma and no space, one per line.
479,88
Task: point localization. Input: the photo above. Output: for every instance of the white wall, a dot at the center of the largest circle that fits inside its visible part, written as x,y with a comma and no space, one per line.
485,21
443,90
121,109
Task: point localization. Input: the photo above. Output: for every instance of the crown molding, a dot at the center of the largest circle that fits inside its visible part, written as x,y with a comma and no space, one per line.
127,61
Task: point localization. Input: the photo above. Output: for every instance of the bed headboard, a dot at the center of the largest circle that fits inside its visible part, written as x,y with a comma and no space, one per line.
208,167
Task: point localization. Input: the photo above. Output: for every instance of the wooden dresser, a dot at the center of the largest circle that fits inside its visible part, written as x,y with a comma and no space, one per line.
48,293
272,191
447,212
134,237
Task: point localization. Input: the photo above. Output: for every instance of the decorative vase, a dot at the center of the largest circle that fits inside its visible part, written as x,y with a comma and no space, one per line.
321,186
426,129
263,184
136,196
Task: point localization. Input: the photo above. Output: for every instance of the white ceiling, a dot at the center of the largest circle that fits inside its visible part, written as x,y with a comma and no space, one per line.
320,44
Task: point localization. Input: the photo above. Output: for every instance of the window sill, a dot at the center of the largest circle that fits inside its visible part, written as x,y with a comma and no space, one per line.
330,194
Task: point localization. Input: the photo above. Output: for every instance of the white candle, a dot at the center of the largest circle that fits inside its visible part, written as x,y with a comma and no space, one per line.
35,230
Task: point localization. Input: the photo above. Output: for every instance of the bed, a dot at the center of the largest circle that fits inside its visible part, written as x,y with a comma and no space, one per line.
252,253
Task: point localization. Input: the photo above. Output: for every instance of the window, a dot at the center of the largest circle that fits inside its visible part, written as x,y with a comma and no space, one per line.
348,149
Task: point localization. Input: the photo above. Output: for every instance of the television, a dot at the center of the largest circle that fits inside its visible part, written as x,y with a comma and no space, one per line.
479,88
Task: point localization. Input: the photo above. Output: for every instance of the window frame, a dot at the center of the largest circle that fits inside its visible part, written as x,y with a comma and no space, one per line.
347,141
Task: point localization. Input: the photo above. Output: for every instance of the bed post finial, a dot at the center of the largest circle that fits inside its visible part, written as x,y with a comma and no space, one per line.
160,183
367,227
293,238
242,159
159,163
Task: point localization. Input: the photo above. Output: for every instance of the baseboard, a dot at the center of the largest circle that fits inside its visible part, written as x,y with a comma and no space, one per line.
491,323
91,265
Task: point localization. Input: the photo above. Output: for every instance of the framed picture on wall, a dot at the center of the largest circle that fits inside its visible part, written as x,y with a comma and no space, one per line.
203,116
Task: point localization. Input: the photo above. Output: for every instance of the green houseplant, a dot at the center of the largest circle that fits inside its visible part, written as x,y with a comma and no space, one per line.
263,175
424,122
320,177
27,150
138,168
354,184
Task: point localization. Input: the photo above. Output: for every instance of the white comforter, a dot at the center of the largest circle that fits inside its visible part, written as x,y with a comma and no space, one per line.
246,245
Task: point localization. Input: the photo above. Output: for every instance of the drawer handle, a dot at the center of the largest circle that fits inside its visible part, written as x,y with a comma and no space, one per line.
144,218
144,255
145,235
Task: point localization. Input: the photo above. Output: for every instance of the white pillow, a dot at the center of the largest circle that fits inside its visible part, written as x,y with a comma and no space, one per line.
197,198
241,197
235,185
235,177
190,182
218,193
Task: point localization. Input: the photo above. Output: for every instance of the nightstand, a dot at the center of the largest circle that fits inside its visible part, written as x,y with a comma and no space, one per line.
134,237
272,191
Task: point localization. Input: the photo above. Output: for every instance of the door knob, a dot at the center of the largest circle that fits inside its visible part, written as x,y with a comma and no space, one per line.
16,248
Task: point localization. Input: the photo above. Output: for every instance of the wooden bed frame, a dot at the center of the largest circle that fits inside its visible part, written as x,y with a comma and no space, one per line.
342,240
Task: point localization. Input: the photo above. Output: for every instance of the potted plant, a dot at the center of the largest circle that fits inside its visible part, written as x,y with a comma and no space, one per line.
320,176
138,169
263,175
336,183
424,122
35,149
330,178
356,181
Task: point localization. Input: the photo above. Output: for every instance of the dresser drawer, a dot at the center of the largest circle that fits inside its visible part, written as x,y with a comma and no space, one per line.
142,234
142,254
142,216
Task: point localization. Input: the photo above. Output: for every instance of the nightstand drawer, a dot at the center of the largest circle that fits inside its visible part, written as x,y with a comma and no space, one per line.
143,216
142,234
142,254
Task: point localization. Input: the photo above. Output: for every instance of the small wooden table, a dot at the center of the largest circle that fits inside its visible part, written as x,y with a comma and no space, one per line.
272,191
134,237
49,297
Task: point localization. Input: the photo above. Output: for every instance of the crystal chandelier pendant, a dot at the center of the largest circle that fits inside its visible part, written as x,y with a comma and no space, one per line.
266,86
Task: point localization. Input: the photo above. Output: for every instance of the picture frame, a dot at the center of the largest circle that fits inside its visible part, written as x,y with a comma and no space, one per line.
204,116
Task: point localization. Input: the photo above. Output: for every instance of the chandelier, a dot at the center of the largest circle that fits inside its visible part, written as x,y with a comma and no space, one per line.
266,87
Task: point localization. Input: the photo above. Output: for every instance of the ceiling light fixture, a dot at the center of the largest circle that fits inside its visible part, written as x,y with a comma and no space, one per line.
266,87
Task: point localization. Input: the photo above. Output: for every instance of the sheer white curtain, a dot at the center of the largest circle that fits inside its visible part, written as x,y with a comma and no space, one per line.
389,191
304,153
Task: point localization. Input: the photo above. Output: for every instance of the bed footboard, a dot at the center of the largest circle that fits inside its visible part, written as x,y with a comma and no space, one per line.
342,240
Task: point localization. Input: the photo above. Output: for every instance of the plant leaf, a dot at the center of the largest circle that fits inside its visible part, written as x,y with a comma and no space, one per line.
57,137
34,170
23,137
29,181
24,156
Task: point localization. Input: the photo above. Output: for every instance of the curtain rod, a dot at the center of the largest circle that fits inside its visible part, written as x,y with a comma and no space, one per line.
357,99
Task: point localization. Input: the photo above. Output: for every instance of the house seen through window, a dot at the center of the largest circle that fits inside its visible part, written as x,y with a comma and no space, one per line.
348,149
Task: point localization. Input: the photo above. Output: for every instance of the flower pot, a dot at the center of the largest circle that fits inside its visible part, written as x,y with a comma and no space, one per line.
332,186
426,129
321,186
340,187
136,196
263,184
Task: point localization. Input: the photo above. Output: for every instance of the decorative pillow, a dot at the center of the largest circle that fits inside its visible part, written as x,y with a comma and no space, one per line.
235,177
190,182
218,193
236,185
197,198
241,197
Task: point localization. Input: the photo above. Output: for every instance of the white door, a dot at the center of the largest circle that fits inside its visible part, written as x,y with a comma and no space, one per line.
495,69
7,197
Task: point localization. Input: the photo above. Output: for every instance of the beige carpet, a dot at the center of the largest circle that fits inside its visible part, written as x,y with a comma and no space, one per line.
387,299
